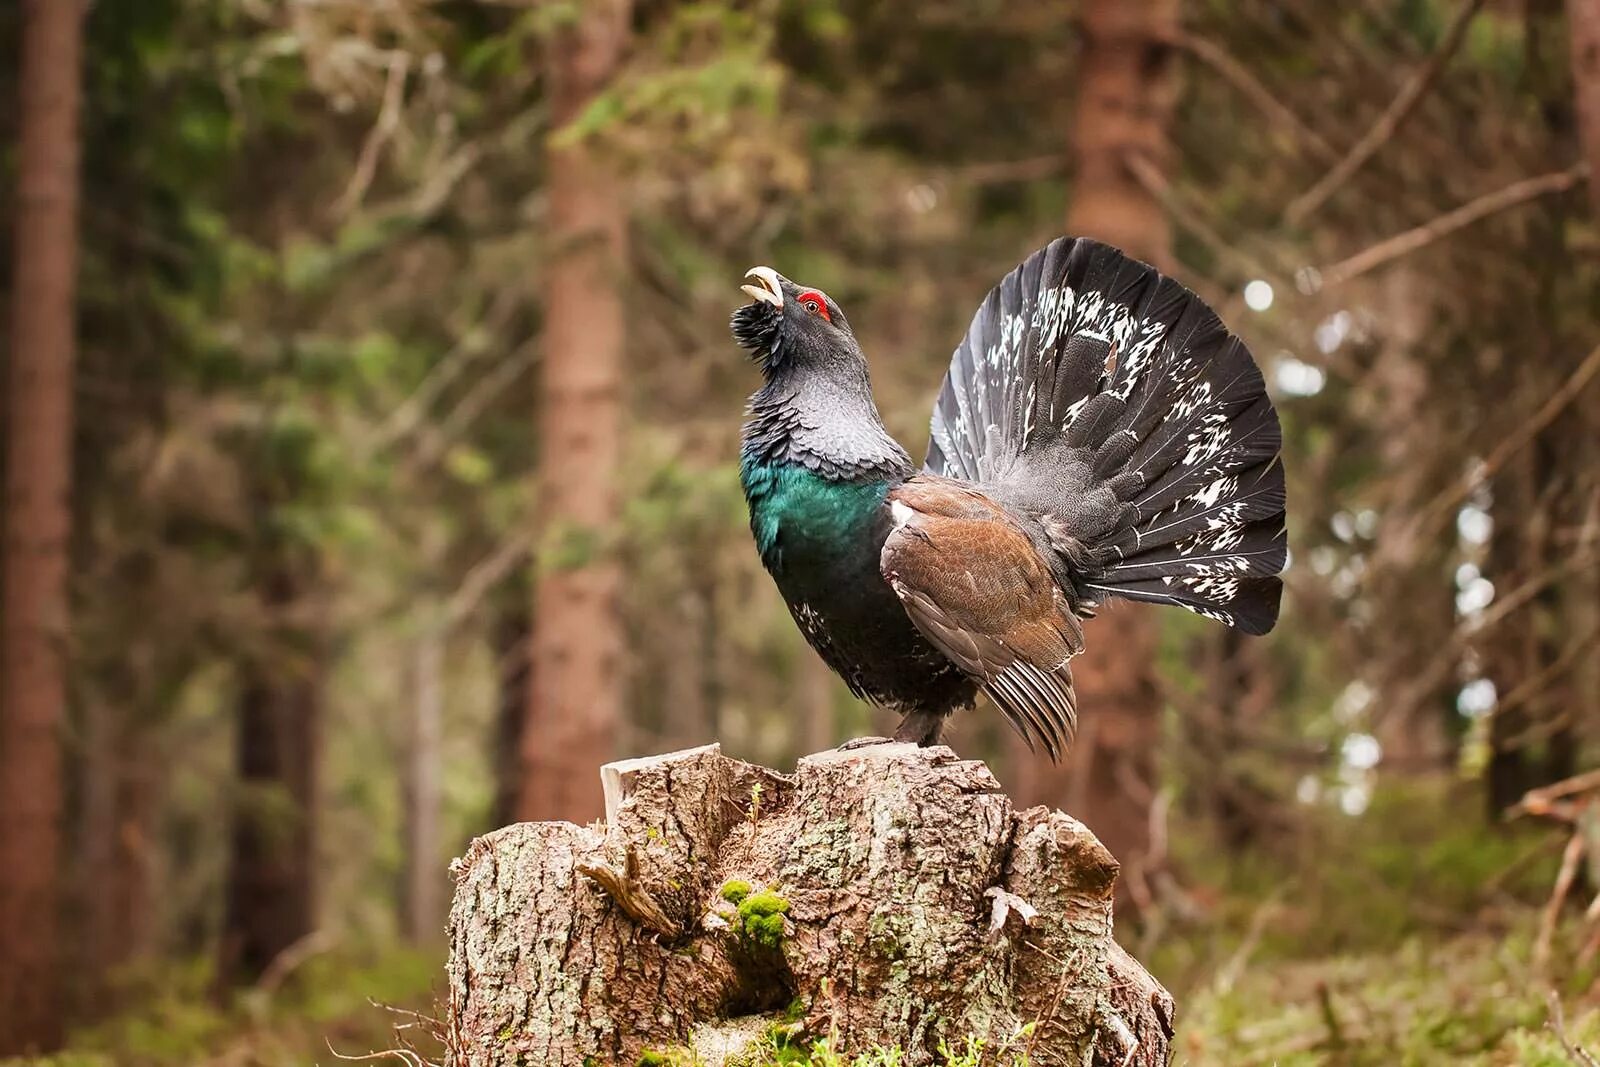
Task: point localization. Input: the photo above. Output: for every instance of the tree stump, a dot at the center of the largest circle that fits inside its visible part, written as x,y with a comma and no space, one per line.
887,895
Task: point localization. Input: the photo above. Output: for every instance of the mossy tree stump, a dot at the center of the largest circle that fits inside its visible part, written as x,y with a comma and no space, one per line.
884,895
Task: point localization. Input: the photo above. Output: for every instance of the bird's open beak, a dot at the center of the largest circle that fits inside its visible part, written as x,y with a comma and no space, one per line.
768,292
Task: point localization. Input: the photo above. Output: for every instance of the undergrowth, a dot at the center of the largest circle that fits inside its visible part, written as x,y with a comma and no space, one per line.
351,1003
1400,938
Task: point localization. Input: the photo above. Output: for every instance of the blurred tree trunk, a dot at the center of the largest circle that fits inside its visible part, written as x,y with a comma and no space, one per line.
1543,504
1583,17
272,875
423,891
1125,99
1583,22
576,689
1242,695
115,840
510,644
34,613
1411,731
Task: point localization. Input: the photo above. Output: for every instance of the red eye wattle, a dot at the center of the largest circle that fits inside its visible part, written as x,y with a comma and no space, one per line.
813,302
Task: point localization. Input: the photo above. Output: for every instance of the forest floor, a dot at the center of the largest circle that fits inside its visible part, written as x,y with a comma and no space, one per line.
1361,941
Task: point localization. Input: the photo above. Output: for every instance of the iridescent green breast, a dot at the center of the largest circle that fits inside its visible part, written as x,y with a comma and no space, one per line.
795,512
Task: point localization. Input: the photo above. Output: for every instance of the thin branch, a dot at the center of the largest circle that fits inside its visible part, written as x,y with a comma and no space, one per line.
475,402
1552,910
1472,211
1400,109
1538,683
1436,671
1189,217
1557,1025
1250,87
1557,402
1540,801
388,121
488,573
475,341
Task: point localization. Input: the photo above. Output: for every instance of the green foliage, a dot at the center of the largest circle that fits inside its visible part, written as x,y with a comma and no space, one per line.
735,890
333,998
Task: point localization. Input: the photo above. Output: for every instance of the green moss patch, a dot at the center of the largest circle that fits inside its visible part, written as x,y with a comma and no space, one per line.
761,917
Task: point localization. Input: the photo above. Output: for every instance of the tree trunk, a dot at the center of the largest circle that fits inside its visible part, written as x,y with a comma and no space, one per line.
509,640
34,614
886,895
117,800
1583,22
1124,104
575,693
423,891
271,880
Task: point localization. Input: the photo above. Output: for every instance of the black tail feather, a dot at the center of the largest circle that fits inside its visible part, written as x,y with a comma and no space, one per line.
1095,393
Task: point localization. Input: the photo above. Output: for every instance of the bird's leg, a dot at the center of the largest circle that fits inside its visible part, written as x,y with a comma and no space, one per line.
920,727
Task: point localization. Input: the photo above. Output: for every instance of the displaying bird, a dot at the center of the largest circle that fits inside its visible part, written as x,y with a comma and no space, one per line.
1099,434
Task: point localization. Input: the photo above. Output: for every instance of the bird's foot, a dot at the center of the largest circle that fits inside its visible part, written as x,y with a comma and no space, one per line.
864,742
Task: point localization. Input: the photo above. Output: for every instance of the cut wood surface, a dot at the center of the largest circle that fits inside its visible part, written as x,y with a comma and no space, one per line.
883,895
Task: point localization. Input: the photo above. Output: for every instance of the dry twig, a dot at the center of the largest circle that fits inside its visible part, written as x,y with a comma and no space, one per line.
1400,109
1558,897
1482,207
1446,501
1250,87
388,121
1557,1025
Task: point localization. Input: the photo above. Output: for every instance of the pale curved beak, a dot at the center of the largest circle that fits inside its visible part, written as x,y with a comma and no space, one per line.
768,292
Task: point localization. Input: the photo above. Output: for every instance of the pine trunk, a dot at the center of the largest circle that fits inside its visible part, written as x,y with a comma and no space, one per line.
271,901
38,485
889,895
1583,21
509,641
423,890
575,694
118,797
1124,104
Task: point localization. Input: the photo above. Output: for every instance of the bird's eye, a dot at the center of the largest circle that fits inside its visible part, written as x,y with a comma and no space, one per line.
814,303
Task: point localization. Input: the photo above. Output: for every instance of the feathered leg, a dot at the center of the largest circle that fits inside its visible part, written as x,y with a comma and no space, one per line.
921,728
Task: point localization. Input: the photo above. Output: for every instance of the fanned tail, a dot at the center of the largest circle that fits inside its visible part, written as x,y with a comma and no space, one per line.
1111,405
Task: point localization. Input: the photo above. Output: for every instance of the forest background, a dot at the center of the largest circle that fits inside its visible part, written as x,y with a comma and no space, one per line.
371,428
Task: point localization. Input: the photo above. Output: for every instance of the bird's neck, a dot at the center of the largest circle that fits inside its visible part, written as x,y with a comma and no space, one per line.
826,423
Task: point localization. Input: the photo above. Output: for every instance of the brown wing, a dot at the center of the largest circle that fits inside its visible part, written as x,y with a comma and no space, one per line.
974,585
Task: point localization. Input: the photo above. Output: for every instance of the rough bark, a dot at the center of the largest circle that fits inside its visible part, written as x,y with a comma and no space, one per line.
574,945
1125,100
33,617
575,692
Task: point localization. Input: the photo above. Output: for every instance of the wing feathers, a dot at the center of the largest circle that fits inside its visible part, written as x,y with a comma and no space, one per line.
974,585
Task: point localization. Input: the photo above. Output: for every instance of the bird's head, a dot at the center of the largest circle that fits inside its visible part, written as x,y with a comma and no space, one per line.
790,327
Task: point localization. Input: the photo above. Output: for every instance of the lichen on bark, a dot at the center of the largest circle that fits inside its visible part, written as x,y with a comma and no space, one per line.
860,894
